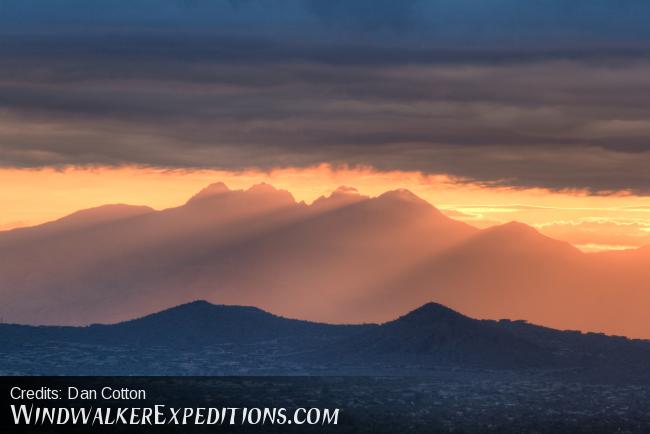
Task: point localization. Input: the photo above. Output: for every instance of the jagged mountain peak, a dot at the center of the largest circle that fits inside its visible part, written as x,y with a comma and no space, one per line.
515,227
258,193
342,196
404,194
211,190
264,189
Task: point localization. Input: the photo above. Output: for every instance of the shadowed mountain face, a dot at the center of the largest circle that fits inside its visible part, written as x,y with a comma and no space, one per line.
235,339
346,258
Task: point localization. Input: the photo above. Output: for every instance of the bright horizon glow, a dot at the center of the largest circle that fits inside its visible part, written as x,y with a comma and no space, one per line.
591,223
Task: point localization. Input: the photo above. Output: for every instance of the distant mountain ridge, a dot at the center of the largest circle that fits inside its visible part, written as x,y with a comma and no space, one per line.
432,336
345,258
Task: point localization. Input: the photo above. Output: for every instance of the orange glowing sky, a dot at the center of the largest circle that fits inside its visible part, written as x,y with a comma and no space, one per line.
592,223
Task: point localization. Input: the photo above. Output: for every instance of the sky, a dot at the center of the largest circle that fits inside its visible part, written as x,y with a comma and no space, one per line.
492,110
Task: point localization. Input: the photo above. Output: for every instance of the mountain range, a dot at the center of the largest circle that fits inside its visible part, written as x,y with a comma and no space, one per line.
345,258
200,338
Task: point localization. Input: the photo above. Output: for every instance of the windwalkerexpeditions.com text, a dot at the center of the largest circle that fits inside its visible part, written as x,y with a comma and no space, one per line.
30,414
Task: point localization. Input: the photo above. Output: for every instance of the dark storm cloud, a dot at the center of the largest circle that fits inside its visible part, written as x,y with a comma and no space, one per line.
553,94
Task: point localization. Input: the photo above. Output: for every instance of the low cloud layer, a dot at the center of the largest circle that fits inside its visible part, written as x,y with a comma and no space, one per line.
510,100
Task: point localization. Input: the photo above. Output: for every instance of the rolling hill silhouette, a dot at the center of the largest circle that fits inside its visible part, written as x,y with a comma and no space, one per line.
434,334
190,325
429,337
